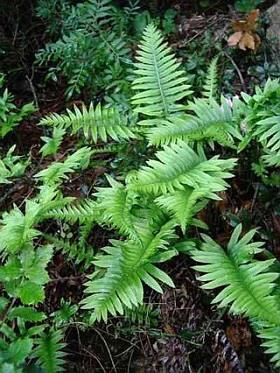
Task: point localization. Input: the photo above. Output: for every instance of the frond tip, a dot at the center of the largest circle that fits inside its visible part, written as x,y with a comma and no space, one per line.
160,82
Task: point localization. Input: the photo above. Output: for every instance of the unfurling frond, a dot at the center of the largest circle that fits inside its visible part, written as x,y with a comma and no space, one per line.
179,165
127,264
160,81
94,123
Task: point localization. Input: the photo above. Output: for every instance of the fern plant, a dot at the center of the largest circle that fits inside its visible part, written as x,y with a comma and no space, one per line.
90,47
10,115
248,284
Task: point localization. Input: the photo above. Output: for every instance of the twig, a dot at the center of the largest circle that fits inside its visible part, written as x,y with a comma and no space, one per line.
237,70
33,91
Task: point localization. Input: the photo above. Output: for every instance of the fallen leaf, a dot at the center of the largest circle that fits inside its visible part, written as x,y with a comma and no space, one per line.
235,38
245,36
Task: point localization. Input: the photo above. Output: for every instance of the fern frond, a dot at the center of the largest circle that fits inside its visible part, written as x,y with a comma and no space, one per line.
271,344
49,351
115,205
120,272
83,211
77,252
184,204
95,123
211,122
247,283
179,165
160,82
56,172
210,88
269,131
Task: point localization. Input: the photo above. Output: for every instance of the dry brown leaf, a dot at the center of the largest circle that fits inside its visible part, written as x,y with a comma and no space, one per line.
245,36
235,38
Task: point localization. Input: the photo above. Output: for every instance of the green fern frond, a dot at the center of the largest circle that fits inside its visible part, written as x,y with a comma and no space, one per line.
269,131
271,344
120,272
83,211
49,351
78,252
211,122
95,123
115,205
56,172
247,282
210,88
179,165
185,204
160,82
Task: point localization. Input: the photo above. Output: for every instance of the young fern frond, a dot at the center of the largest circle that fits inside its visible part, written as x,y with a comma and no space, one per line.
54,174
49,351
179,165
160,81
247,282
94,123
210,122
117,282
210,88
53,143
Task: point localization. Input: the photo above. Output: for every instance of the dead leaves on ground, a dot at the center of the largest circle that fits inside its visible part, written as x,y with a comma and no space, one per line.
245,36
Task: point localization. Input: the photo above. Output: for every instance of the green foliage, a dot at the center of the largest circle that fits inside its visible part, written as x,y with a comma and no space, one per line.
91,44
93,123
12,166
160,81
50,351
56,172
247,283
148,209
53,143
247,6
10,115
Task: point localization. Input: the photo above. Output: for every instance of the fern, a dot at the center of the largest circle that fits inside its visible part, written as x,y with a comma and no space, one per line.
83,211
78,252
160,82
210,88
247,282
53,143
49,351
94,123
126,265
269,130
210,122
184,204
178,166
56,172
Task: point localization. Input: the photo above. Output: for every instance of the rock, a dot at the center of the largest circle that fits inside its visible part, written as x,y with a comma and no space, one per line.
273,32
